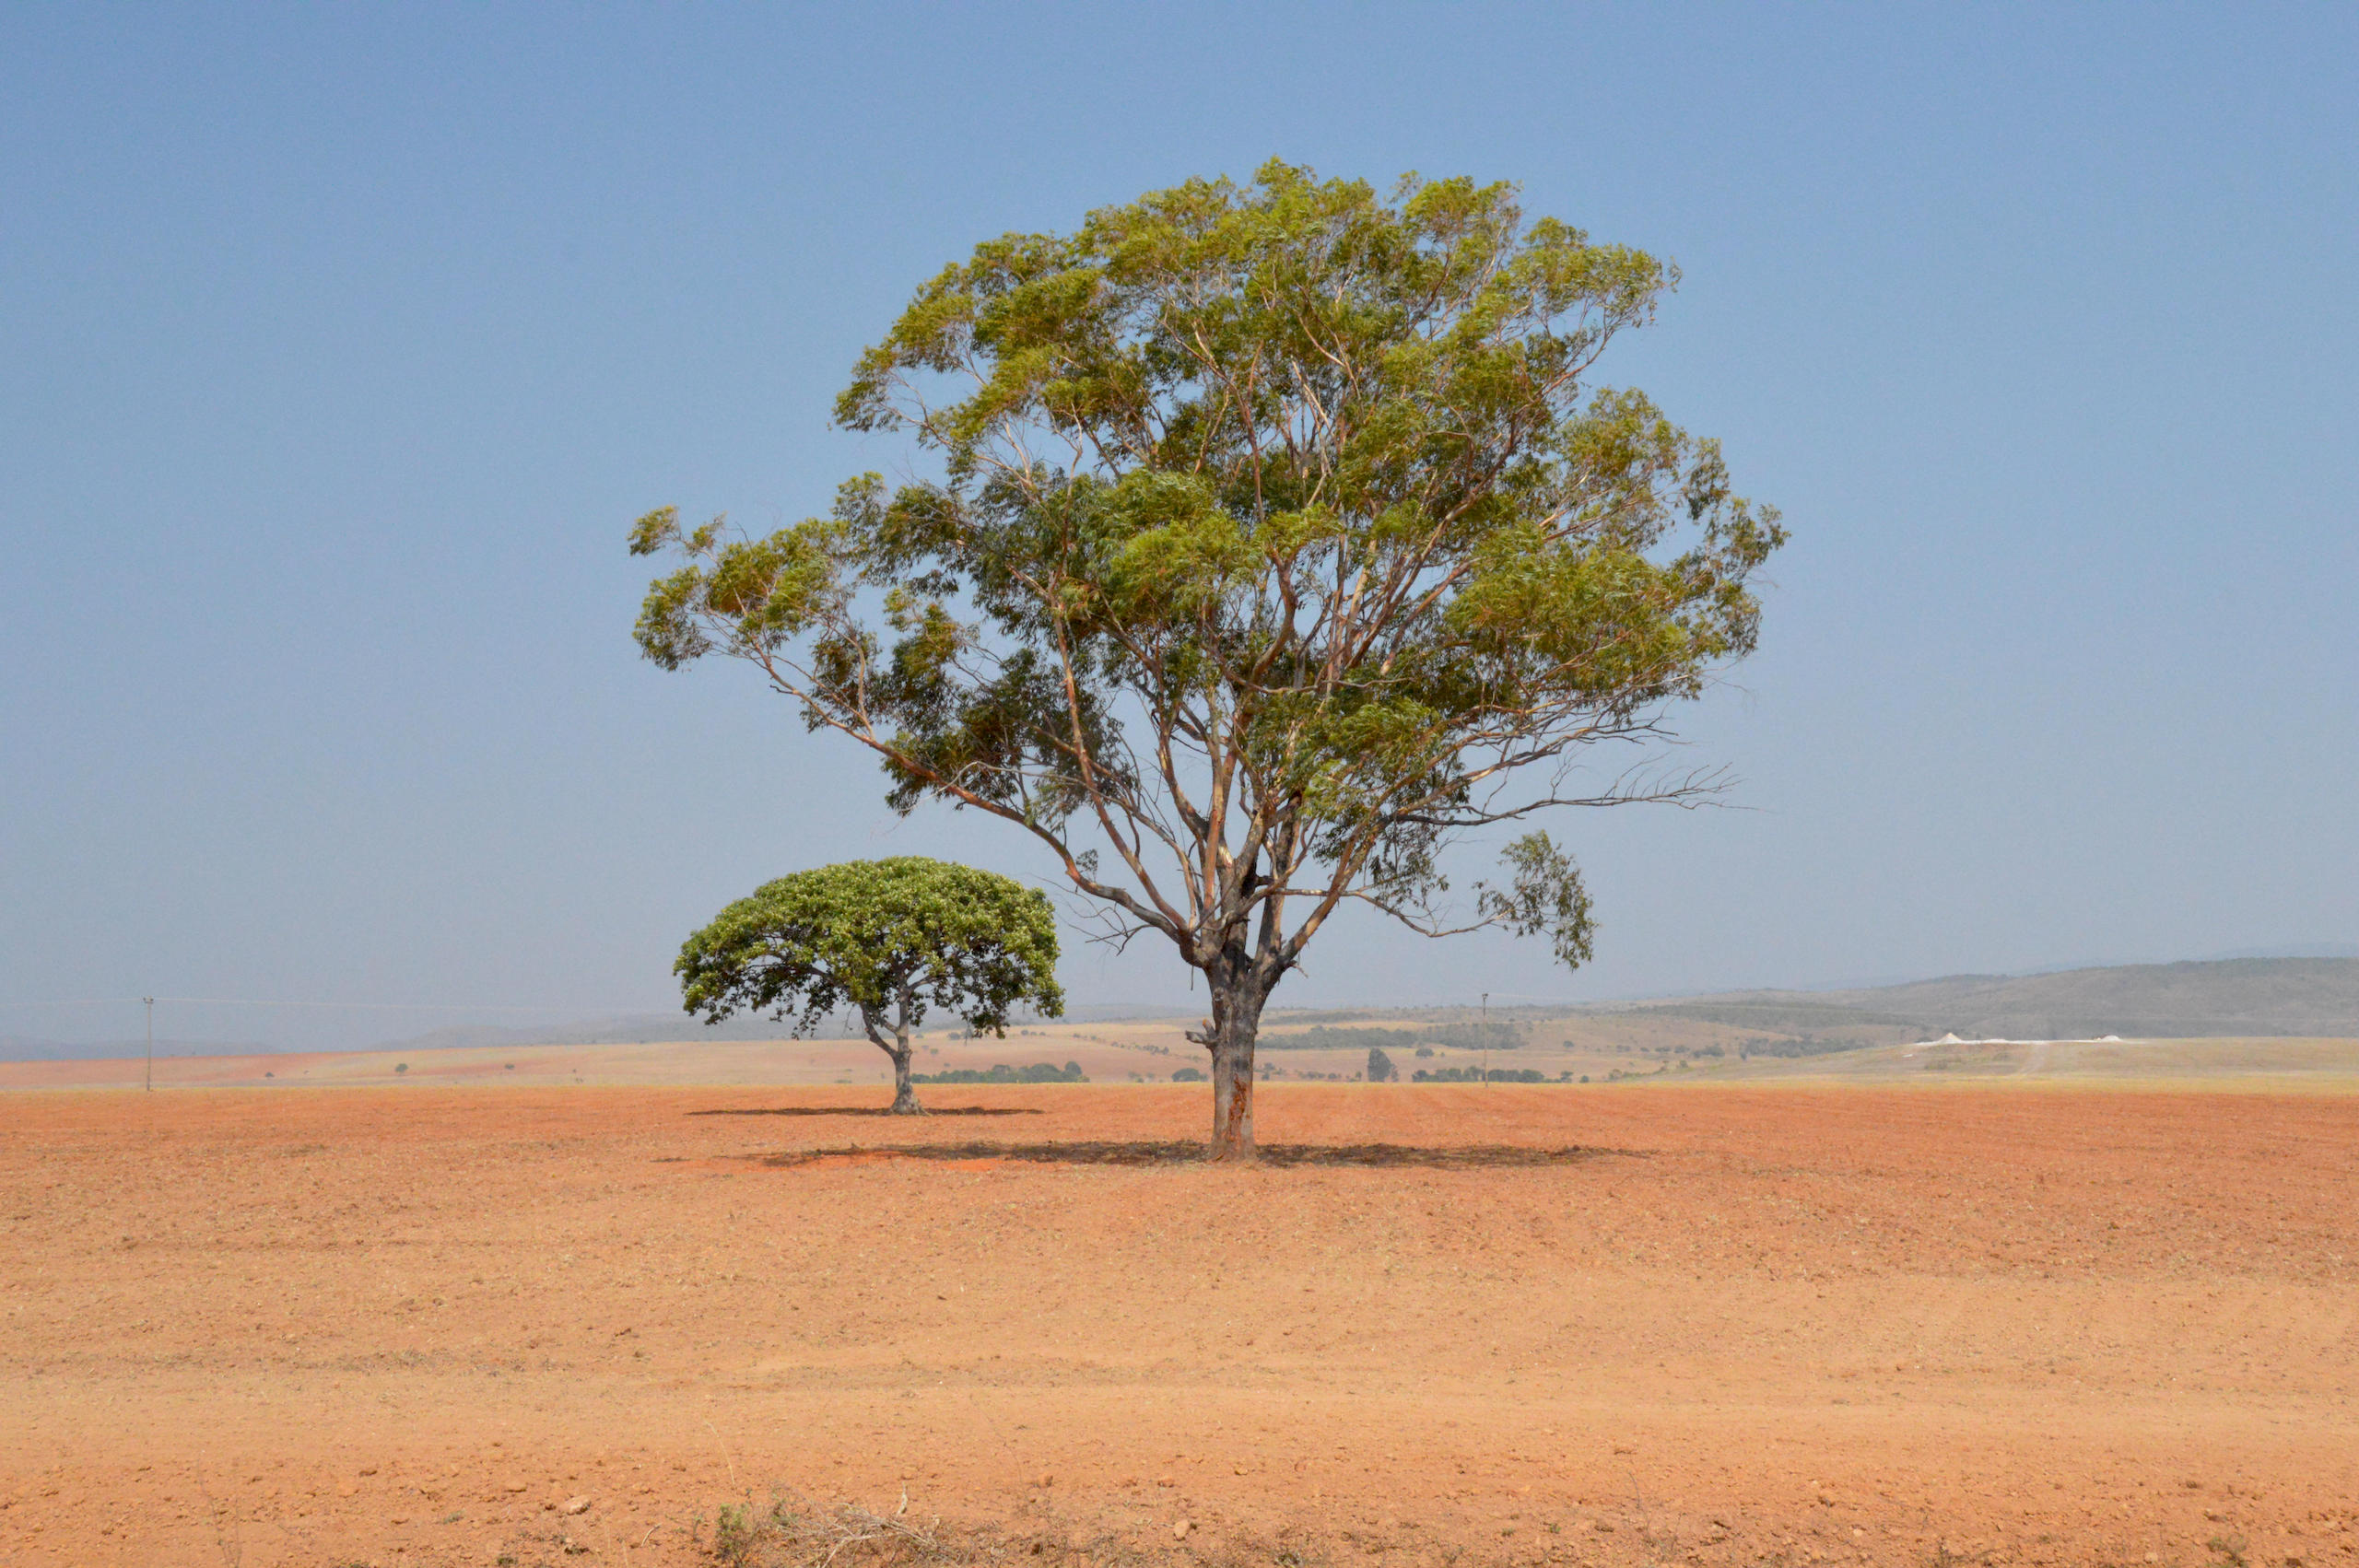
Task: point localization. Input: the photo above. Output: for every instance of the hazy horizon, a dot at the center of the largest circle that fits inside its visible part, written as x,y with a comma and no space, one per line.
326,1027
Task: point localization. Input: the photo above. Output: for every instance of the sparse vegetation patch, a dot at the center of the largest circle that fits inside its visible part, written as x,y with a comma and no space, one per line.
1000,1072
1450,1037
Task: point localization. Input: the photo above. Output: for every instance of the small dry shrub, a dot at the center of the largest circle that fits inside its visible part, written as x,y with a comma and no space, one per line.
794,1533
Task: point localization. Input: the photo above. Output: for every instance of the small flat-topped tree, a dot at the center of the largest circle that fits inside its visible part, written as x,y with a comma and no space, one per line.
890,939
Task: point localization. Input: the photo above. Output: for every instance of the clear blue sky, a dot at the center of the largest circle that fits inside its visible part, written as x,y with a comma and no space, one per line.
338,346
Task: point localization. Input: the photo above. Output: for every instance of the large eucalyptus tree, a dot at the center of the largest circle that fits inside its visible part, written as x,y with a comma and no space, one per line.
1275,535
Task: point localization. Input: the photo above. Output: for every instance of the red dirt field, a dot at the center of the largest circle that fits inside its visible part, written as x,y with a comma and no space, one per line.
414,1325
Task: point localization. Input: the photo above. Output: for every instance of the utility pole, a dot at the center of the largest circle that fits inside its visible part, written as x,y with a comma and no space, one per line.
1487,1039
151,1042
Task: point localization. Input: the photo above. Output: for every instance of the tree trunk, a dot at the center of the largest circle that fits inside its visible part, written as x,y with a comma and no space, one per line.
1238,994
901,1052
904,1099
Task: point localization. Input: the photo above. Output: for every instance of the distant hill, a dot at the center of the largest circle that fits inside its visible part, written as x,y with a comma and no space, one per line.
2253,997
2318,997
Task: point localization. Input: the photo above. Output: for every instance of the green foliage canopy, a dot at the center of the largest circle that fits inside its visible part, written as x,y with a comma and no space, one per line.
1277,535
889,938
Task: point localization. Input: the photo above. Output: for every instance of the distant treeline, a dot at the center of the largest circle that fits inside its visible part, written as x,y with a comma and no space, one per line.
1000,1072
1475,1076
1807,1045
1793,1016
1451,1036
